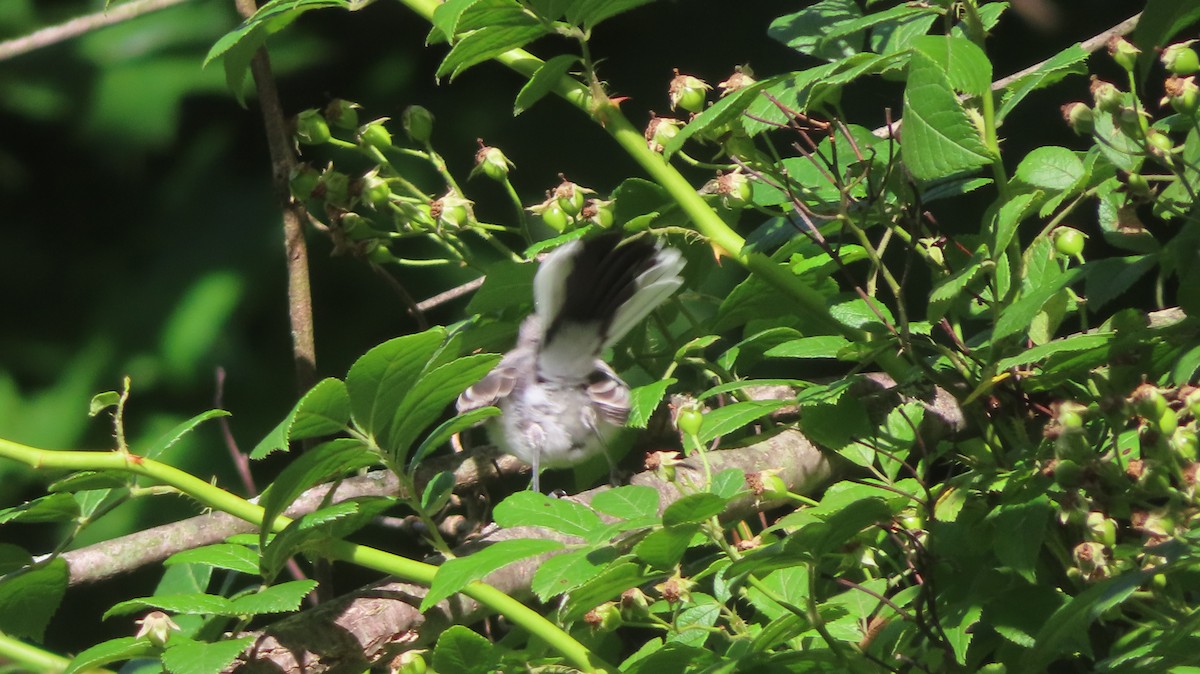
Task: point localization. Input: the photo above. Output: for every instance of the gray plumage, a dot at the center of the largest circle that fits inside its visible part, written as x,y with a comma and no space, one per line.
561,402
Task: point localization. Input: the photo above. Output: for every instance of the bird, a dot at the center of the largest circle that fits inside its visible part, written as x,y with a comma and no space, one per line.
560,402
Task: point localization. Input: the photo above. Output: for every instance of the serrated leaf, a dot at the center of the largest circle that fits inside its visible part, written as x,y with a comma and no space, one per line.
565,572
544,80
113,650
966,66
628,502
89,480
1070,344
28,599
939,139
588,13
197,603
186,656
1051,168
951,288
487,43
663,548
531,509
461,651
429,397
13,557
821,346
1020,529
643,400
1111,277
220,555
164,442
727,419
725,110
280,598
319,464
379,380
324,410
608,585
693,508
442,434
728,483
51,508
1070,61
455,574
804,31
1008,219
311,529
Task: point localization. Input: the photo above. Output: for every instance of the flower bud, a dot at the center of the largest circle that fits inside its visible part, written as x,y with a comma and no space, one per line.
374,191
1182,93
418,123
598,212
1106,95
741,78
304,181
375,134
156,628
660,131
491,162
606,617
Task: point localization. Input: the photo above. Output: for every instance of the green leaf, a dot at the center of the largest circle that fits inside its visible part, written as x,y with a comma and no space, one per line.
563,573
544,80
1160,21
103,401
90,480
455,574
939,139
628,502
724,111
1019,315
185,656
1110,277
966,66
311,530
280,598
821,346
442,434
820,538
728,483
164,442
727,419
1067,629
220,555
324,410
1070,61
319,464
379,380
507,285
28,599
487,43
197,603
1008,219
113,650
51,508
804,31
643,400
835,425
13,557
531,509
1051,168
437,491
461,651
693,508
663,548
1019,531
588,13
429,397
608,585
1070,344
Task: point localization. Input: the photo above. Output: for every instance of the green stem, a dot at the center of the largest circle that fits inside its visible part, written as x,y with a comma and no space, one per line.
378,560
35,659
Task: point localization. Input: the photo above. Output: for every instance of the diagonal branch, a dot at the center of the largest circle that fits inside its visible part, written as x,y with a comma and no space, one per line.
52,35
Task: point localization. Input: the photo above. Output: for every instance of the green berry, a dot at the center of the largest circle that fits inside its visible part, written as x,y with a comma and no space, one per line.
1123,52
1138,185
1106,95
660,131
599,212
1079,117
342,113
1159,142
688,92
555,218
304,181
375,134
1068,474
311,128
492,162
570,197
1167,422
375,191
689,420
1068,241
1148,402
1181,59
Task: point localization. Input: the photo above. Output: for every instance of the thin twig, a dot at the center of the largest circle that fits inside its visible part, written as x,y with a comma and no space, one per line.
449,295
80,25
283,160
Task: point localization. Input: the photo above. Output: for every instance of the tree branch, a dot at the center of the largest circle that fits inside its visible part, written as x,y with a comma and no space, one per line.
78,26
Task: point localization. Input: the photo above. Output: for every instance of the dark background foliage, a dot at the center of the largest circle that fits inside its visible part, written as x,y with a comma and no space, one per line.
139,235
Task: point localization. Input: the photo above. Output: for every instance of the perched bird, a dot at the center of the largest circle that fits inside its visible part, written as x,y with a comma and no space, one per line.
560,402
